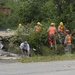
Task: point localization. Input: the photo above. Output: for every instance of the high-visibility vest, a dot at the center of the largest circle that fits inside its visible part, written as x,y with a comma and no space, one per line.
69,39
37,29
61,28
52,30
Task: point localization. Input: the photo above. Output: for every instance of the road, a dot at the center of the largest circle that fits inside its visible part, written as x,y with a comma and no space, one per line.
37,68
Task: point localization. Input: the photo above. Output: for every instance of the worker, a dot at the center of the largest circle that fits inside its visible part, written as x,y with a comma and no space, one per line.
20,25
37,28
61,30
67,42
25,47
51,34
20,28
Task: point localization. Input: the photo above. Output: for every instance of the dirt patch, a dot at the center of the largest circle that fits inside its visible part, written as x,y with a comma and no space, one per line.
4,33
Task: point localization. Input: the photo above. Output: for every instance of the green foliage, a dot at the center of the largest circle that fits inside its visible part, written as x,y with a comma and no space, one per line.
37,40
29,12
36,11
60,49
3,3
47,58
14,48
9,20
65,12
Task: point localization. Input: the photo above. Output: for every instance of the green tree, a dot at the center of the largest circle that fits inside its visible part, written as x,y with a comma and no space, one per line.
65,12
9,20
3,3
32,11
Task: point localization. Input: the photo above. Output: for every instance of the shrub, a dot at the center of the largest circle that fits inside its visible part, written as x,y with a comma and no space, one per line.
37,41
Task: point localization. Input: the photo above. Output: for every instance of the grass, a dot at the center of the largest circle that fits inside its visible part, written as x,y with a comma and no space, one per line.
47,58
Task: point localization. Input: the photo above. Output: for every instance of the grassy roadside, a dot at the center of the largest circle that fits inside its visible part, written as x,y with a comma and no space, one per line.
47,58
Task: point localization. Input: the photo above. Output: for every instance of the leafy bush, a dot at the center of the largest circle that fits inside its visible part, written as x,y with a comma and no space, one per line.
37,41
14,48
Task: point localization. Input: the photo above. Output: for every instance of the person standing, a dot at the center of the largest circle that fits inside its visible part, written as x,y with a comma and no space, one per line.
61,30
51,34
20,29
67,42
37,28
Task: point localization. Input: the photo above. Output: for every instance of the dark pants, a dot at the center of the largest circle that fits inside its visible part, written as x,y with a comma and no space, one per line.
60,35
68,49
25,51
52,38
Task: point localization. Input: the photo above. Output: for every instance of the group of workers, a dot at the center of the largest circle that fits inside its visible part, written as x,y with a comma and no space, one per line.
61,31
52,30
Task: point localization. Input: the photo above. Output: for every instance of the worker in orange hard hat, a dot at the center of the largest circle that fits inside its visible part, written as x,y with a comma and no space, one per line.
51,34
67,42
61,30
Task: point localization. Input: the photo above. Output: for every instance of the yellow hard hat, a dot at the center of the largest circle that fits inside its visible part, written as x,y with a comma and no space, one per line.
20,25
52,24
61,23
38,23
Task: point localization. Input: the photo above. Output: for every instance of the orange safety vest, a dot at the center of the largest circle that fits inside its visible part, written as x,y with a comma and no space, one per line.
37,29
61,28
69,39
52,30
